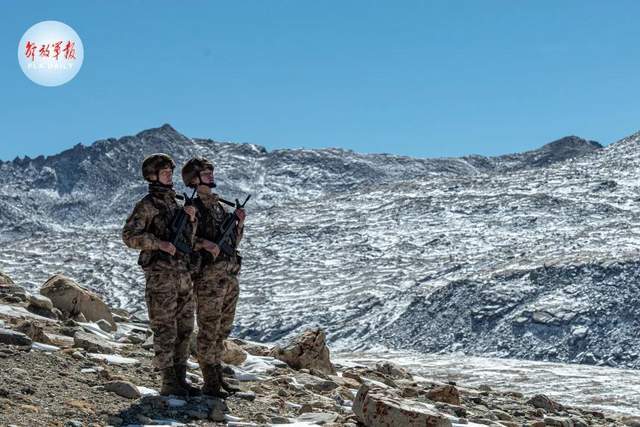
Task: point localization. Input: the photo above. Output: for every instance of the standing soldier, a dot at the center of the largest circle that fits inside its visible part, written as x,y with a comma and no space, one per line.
169,289
216,283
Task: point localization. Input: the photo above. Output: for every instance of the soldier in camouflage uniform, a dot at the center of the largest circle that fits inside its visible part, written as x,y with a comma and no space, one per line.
169,289
216,283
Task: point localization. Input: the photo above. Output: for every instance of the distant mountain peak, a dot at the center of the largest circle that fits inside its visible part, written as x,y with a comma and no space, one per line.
166,131
571,142
568,147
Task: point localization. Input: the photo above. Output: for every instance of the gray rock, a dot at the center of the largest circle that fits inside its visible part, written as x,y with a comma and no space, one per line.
120,319
10,337
115,421
198,413
148,344
246,395
5,280
40,301
318,417
445,393
105,326
543,402
309,350
543,317
34,331
74,300
376,406
136,339
313,383
11,292
280,420
580,331
123,388
558,422
392,370
91,343
69,331
579,422
502,415
54,313
216,415
587,358
232,353
631,421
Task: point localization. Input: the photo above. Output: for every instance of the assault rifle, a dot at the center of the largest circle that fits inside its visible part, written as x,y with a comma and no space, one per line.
227,227
177,225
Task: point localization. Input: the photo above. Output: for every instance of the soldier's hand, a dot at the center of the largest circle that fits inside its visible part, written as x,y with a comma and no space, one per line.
211,248
168,248
191,211
241,214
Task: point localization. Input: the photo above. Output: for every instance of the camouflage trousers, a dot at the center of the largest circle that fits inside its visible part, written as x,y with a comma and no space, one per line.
217,292
169,297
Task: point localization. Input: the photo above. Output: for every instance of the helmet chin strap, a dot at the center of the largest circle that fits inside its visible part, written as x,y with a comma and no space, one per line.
211,184
160,184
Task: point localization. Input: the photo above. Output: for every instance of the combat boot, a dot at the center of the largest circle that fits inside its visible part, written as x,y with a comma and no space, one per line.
211,385
229,388
170,383
181,376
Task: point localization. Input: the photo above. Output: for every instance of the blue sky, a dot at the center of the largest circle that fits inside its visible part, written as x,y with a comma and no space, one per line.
418,78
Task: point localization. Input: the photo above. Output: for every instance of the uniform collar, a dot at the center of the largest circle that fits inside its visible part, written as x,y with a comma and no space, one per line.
162,191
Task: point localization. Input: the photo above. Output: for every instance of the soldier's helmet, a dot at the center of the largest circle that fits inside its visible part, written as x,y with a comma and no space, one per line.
152,165
192,170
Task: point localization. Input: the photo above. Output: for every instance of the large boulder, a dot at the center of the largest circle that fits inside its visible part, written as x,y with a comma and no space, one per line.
233,354
376,406
74,300
307,351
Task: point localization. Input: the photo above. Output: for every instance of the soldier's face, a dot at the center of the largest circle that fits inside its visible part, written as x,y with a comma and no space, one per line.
207,176
165,176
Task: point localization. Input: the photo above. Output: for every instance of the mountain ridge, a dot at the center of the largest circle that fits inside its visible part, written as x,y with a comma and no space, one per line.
360,244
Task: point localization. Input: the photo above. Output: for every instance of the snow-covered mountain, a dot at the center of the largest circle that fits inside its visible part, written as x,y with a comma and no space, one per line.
531,255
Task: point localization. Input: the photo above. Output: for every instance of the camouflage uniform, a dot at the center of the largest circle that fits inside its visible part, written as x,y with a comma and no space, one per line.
169,289
216,283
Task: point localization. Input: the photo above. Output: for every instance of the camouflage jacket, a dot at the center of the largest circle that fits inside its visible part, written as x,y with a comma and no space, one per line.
211,215
150,223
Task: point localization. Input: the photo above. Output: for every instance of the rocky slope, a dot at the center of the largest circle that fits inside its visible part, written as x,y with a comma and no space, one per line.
58,368
529,255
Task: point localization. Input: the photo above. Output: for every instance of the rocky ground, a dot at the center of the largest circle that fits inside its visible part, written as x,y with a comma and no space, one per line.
66,359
